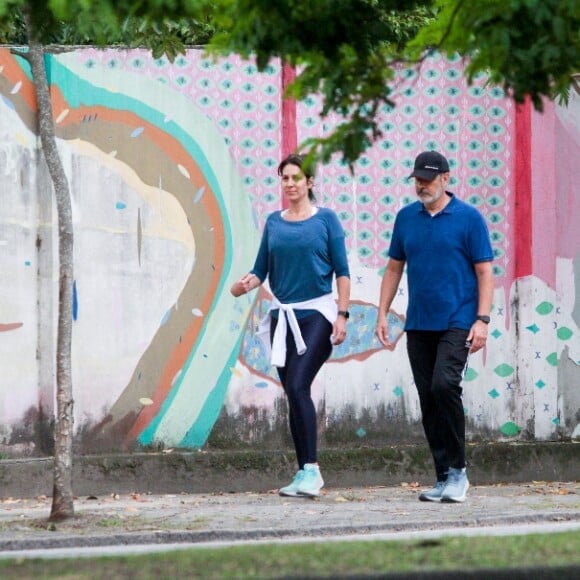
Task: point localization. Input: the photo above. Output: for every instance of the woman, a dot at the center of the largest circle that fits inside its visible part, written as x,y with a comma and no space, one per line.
302,248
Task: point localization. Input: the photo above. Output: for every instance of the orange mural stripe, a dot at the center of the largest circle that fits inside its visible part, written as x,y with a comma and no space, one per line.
14,73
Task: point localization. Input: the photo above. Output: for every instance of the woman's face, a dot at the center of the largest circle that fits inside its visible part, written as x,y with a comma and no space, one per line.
295,185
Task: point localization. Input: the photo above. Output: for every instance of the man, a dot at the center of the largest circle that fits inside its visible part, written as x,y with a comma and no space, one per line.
445,244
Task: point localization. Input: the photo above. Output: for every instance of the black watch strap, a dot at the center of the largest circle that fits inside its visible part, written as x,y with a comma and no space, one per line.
483,318
344,313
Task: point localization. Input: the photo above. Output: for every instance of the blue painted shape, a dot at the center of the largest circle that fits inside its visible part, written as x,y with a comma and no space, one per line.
166,317
136,132
75,302
8,103
360,339
120,205
199,194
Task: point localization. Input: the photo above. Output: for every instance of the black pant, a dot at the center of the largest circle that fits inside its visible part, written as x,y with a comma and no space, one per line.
437,362
297,377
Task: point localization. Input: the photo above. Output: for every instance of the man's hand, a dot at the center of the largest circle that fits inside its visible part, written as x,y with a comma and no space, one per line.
477,336
382,331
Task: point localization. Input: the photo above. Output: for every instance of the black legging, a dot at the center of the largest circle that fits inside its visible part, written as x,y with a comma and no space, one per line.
297,377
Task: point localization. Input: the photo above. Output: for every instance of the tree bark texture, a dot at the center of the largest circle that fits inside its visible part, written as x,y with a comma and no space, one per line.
62,497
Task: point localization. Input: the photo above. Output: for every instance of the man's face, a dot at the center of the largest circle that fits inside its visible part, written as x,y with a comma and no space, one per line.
430,192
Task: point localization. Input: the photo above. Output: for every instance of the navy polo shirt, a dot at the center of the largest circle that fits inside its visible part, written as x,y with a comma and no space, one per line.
440,252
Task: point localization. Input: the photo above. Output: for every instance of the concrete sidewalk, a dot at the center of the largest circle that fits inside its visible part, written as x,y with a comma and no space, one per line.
135,519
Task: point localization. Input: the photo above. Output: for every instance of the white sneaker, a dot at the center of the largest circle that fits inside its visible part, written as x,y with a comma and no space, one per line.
312,482
455,490
291,490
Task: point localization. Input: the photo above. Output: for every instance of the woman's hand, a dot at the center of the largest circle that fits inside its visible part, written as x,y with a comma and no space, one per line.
339,330
245,284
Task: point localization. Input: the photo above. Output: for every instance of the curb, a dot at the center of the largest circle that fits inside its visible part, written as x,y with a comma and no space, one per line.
54,541
239,471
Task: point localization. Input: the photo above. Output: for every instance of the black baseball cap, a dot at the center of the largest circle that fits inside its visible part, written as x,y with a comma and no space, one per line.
429,164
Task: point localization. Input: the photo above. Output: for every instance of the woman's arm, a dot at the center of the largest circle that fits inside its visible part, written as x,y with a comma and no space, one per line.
339,326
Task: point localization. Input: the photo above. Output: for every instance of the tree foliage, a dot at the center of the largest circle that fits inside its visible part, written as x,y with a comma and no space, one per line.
529,47
162,36
344,50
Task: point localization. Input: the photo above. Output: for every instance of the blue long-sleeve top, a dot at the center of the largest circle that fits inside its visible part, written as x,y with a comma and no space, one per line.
300,258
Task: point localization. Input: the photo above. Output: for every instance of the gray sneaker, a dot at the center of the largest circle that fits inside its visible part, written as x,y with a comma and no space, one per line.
435,493
455,490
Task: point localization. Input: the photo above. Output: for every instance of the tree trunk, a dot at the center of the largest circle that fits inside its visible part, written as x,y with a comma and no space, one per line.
62,496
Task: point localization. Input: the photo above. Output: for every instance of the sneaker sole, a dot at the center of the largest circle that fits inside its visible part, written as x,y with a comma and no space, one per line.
423,497
308,493
453,499
288,493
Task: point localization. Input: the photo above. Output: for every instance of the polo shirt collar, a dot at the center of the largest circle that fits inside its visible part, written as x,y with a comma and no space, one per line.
449,208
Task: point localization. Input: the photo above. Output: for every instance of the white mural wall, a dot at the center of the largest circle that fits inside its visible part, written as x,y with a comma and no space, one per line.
172,168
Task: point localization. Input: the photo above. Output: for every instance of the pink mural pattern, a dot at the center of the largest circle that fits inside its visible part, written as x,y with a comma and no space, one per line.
435,109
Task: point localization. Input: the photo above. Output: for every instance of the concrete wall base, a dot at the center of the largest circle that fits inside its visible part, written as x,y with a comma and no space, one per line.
217,471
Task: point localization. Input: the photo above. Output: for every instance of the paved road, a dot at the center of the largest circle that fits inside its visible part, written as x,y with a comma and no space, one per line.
140,522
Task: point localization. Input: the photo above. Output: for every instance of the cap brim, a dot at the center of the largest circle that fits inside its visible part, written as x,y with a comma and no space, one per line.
424,174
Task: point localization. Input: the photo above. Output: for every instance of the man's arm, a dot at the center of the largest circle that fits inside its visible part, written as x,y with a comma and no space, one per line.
390,283
485,284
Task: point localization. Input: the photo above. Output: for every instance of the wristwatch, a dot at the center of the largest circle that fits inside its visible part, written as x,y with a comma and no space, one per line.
483,318
344,313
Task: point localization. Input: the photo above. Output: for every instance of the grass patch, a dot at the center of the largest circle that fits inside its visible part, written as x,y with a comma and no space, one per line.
323,560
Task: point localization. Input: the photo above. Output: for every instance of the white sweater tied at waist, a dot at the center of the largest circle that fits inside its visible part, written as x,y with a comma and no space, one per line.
277,351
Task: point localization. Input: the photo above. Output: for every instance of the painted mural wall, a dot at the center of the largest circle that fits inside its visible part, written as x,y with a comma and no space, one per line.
172,168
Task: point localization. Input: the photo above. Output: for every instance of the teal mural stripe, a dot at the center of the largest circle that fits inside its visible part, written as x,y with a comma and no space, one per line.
198,433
